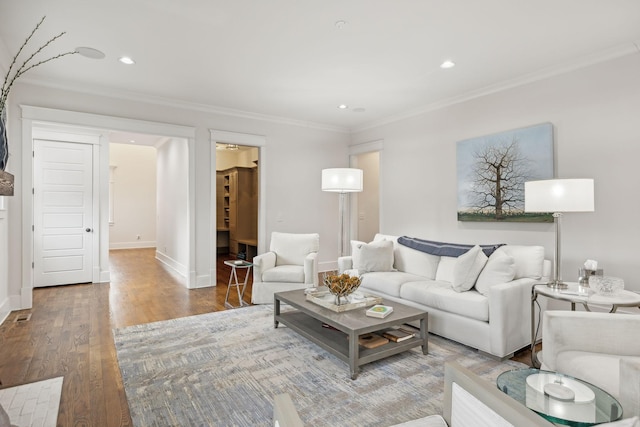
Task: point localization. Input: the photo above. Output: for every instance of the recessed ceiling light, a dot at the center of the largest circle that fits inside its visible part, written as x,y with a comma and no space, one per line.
90,52
126,60
132,141
340,24
343,106
448,64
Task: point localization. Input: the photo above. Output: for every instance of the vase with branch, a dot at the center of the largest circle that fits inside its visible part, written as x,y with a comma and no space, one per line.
14,72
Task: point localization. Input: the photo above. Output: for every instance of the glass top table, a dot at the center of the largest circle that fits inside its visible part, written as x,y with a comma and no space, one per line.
559,398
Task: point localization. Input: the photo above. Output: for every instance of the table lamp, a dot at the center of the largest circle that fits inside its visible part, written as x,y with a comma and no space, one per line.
557,196
343,181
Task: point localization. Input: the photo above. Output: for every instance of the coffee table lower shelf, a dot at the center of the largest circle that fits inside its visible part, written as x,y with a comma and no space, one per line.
342,341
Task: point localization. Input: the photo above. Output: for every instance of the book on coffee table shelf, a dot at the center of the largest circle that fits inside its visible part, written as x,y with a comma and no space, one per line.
397,335
372,340
379,310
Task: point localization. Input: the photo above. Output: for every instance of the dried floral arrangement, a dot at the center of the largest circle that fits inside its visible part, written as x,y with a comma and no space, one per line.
14,73
341,285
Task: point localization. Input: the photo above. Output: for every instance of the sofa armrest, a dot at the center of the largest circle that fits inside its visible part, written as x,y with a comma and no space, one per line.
261,263
345,263
510,316
311,269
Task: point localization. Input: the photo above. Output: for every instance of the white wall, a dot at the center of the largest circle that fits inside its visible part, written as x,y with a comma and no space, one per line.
134,196
297,153
594,112
173,213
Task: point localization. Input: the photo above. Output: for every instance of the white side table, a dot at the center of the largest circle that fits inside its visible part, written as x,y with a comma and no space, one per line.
233,281
576,294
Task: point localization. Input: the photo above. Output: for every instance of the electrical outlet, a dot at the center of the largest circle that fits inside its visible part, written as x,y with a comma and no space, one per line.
138,237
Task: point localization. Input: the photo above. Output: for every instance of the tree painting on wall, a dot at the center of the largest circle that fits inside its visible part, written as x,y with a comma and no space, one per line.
492,171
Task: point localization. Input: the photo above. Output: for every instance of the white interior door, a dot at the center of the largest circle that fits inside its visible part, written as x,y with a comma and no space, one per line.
62,223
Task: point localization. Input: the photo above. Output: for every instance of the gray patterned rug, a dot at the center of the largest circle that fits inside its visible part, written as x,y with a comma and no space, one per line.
223,369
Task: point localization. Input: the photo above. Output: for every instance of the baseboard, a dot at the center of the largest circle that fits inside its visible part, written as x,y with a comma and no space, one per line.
5,310
173,266
132,245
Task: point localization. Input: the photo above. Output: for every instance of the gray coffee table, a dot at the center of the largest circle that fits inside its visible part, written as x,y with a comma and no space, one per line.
308,318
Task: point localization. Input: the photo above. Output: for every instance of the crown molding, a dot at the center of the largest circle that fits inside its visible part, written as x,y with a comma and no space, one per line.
545,73
175,103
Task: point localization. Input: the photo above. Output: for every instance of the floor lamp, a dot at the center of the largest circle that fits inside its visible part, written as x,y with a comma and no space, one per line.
558,196
343,181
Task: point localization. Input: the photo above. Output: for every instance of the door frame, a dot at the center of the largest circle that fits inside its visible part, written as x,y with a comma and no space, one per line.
249,140
48,118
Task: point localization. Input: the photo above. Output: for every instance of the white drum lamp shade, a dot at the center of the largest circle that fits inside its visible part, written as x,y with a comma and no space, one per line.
558,196
342,180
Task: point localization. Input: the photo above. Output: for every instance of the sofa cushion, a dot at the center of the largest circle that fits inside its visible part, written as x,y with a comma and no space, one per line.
445,268
416,262
467,268
374,256
441,296
387,282
284,273
528,260
500,268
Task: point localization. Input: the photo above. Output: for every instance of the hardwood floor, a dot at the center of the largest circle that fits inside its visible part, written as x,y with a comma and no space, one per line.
70,333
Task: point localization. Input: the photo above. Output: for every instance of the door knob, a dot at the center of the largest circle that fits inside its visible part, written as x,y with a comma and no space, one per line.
88,230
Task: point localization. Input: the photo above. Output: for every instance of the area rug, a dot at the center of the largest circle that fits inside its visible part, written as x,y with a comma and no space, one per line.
224,368
33,404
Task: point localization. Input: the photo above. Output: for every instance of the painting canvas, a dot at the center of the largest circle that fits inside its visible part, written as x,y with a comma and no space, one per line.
492,171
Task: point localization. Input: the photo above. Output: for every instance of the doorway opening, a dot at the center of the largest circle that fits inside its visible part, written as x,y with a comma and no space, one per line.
237,189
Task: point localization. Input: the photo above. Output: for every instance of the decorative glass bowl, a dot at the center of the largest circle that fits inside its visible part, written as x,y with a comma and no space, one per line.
606,285
341,286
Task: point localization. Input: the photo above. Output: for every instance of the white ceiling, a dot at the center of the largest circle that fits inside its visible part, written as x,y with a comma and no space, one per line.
288,59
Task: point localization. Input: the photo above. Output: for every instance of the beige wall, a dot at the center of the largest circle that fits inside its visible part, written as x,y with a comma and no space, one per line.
134,196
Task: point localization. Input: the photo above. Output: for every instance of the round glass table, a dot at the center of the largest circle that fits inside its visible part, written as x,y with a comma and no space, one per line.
559,398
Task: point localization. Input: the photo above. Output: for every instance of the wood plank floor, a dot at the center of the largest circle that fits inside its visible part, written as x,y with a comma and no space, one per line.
70,333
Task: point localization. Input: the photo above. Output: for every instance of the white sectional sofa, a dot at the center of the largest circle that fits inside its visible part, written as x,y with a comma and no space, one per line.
478,300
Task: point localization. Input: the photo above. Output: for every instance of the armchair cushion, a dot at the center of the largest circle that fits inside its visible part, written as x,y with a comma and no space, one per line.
292,249
284,273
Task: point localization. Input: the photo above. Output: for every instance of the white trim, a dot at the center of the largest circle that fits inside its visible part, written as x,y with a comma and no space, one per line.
366,147
176,103
545,73
246,139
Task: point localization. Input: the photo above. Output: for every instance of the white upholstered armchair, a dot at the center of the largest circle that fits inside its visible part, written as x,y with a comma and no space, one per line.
600,348
291,263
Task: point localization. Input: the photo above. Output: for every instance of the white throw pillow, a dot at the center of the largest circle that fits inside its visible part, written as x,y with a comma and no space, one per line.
374,256
500,268
528,259
468,267
444,273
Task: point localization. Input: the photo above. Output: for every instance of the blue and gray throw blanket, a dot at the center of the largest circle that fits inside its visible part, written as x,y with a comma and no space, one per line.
444,249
